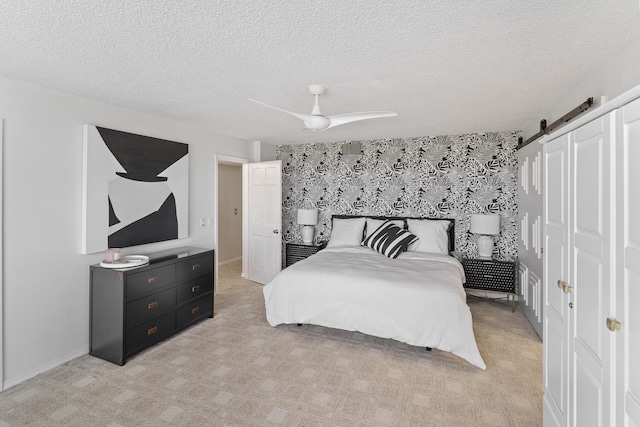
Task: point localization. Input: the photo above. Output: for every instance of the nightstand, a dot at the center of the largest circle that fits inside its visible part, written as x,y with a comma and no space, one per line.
299,251
490,275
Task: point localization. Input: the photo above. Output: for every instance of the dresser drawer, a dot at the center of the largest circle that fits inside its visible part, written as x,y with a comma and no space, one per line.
150,307
150,332
150,280
195,288
195,310
195,267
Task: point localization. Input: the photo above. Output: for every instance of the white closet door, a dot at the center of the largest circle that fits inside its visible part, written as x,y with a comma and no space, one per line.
556,303
628,295
590,276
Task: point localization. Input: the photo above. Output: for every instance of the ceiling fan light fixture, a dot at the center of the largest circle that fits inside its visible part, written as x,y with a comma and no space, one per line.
316,122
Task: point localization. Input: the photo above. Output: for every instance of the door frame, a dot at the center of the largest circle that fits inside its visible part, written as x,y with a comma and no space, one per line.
218,160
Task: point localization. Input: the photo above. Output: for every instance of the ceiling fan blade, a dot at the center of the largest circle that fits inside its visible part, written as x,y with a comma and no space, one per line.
342,119
298,115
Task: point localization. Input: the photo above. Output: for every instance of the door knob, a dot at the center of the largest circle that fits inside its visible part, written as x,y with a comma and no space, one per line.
565,288
276,231
613,325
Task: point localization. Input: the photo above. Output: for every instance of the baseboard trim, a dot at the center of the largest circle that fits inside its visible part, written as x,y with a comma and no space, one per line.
44,368
229,261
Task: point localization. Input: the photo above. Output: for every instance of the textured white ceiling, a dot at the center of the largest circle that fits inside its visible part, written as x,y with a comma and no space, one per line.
444,66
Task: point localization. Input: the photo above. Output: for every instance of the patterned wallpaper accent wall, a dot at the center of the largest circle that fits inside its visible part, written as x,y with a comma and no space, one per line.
449,176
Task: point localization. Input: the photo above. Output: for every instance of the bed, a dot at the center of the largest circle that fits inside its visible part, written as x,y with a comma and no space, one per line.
413,295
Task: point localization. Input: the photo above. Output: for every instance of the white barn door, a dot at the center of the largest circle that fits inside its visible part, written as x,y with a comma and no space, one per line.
556,304
591,372
264,220
591,273
628,279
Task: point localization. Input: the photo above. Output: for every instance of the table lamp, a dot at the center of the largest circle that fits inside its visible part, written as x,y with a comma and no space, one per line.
307,218
485,226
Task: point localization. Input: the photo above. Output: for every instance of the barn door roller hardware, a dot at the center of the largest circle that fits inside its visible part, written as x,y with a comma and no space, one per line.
547,129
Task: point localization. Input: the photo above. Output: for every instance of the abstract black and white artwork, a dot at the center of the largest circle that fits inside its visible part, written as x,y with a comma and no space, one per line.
449,176
135,189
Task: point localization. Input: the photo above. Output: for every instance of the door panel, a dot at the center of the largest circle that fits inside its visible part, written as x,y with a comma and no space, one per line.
555,393
589,394
555,350
588,307
628,295
556,267
590,240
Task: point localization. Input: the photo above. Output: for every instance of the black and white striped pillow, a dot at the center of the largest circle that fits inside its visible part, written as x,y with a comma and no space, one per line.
389,239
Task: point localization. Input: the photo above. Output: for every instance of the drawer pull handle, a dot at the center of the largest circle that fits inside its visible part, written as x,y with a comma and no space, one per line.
153,279
195,289
152,330
194,267
489,276
195,310
152,305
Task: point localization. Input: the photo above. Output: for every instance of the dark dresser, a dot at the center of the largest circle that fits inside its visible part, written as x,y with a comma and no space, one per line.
133,309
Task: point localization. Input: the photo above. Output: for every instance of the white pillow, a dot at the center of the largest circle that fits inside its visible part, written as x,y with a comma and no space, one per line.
432,235
374,224
346,232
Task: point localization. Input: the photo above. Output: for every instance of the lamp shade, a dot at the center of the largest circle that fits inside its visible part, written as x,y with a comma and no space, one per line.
485,224
307,216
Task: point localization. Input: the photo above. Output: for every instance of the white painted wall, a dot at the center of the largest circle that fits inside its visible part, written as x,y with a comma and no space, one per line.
620,73
267,152
229,212
46,280
263,152
530,233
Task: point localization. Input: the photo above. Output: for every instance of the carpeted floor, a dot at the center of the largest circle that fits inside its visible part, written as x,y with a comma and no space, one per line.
236,370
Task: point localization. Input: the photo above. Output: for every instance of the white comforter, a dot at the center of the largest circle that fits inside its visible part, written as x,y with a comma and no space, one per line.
417,298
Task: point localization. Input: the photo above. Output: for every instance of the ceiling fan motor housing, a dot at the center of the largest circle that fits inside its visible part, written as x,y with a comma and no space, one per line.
317,89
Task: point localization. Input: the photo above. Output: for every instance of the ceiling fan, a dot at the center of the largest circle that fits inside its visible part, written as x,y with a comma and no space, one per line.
316,121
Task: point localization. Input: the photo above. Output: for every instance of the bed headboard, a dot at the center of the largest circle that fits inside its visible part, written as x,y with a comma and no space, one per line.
451,231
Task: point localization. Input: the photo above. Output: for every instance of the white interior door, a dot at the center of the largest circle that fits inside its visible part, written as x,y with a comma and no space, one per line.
264,220
590,275
556,302
628,292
